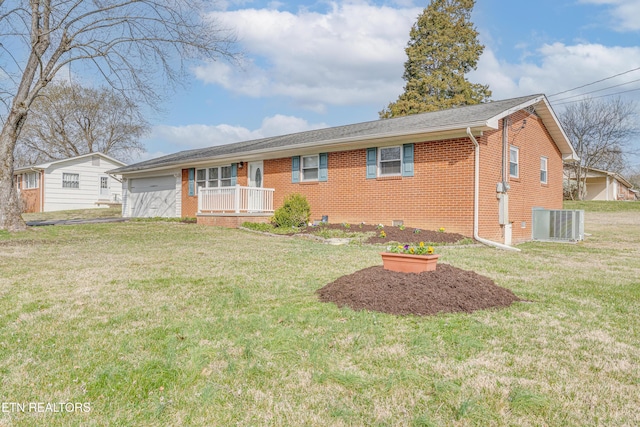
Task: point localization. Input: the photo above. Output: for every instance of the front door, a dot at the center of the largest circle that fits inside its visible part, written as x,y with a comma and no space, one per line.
255,181
104,187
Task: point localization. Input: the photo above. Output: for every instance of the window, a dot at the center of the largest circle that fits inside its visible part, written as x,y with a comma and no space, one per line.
543,170
390,163
30,180
95,160
70,180
310,166
213,177
514,161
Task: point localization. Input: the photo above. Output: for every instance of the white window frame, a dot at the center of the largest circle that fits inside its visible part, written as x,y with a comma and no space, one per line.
544,171
516,150
31,180
304,176
209,180
70,180
380,161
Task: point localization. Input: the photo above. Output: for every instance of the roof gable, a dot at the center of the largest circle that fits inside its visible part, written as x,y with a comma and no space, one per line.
44,166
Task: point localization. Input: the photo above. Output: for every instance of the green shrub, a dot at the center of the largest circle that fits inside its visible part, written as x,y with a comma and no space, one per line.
295,212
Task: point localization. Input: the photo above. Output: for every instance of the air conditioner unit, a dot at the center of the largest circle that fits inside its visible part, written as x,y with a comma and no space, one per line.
558,225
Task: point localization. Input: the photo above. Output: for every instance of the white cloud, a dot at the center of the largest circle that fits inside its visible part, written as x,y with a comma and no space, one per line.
178,138
625,13
559,67
352,54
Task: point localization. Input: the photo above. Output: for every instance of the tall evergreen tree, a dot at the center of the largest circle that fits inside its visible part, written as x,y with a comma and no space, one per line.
443,47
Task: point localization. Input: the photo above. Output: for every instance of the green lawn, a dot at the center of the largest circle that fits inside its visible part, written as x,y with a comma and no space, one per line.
165,323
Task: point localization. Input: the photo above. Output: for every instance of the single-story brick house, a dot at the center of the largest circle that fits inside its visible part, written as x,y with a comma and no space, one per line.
475,170
602,184
80,182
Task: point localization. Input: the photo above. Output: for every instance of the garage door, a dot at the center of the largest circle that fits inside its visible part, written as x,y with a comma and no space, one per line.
153,197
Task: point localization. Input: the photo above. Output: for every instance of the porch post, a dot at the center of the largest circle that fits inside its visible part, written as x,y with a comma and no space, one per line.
237,199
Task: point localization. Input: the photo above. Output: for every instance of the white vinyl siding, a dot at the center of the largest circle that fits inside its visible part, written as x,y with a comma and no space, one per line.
390,161
310,165
514,162
58,197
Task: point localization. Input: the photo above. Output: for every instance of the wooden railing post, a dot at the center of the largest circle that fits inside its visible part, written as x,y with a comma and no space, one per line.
237,199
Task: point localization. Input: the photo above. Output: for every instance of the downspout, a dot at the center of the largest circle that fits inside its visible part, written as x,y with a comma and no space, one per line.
476,196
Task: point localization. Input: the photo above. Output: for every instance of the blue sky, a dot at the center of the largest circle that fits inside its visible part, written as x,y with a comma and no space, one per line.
310,64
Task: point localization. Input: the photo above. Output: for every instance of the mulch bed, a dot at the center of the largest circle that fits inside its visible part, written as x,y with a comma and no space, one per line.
446,290
393,234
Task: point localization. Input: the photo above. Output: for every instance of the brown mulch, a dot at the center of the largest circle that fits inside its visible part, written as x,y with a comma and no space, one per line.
446,290
393,234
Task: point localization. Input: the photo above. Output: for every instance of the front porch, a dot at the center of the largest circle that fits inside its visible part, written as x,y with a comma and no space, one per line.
231,206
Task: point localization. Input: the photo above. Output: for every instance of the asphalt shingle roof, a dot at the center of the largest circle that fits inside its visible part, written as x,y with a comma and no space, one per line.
452,119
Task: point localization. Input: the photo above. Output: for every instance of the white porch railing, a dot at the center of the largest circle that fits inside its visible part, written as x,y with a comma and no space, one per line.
235,200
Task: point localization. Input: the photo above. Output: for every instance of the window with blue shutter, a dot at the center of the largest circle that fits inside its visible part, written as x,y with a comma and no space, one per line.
372,166
192,183
323,171
295,169
407,160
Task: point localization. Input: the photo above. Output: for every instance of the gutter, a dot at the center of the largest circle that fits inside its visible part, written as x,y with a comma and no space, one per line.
476,195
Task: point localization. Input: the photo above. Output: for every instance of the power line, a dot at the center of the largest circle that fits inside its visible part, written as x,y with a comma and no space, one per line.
592,83
598,90
601,96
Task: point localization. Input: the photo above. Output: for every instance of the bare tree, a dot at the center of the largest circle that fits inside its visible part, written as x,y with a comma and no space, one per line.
601,133
68,120
137,47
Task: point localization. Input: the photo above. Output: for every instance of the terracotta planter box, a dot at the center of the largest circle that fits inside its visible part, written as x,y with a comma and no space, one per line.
405,263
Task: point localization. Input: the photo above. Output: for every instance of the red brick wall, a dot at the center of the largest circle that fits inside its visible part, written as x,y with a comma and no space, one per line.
440,194
526,192
189,203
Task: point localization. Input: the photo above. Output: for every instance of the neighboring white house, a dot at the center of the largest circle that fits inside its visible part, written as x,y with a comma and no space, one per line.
80,182
603,185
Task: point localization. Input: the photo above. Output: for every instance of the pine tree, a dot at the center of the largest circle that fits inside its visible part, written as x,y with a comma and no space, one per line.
443,47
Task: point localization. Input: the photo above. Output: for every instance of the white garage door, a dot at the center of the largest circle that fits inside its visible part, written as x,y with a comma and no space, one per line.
153,197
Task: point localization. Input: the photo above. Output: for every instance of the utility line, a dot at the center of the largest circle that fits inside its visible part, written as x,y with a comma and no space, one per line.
598,90
601,96
592,83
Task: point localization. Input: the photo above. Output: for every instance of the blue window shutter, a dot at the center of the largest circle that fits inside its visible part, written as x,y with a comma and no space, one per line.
372,165
407,160
234,173
192,182
295,169
323,174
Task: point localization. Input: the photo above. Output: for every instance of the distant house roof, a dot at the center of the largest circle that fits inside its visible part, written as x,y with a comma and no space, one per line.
593,172
431,126
44,166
